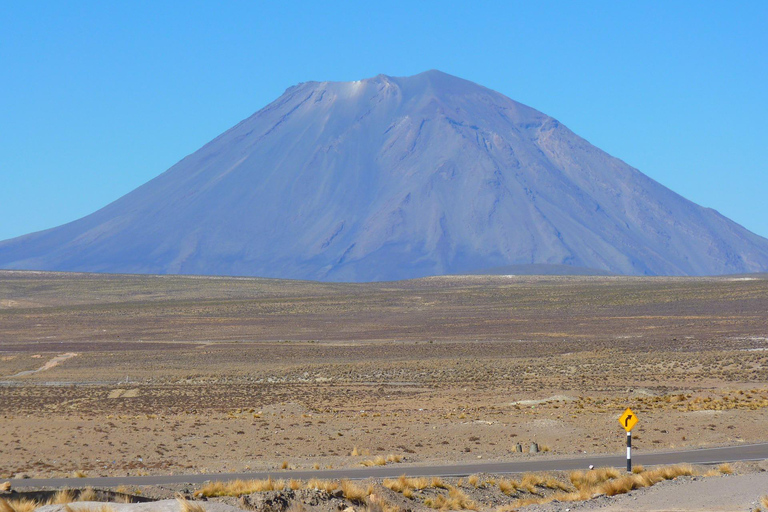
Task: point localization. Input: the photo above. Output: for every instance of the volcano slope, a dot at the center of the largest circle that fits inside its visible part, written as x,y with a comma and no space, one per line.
395,178
188,374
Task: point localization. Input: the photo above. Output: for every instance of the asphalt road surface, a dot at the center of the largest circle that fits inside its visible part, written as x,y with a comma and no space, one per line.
702,456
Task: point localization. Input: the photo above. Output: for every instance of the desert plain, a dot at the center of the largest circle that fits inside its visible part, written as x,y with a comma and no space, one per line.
110,375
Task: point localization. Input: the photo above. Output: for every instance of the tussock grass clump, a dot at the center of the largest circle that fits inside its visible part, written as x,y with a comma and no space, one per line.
437,483
355,493
764,501
377,461
608,481
593,477
456,500
87,494
508,487
376,503
188,506
239,487
531,481
5,486
725,469
322,485
79,474
62,497
404,484
20,505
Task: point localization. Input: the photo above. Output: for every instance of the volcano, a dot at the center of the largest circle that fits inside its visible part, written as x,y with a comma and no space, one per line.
393,178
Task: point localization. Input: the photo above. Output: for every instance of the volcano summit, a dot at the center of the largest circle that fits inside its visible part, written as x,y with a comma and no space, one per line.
393,178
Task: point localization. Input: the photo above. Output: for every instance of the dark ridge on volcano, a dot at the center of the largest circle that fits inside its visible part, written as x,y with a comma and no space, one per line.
394,178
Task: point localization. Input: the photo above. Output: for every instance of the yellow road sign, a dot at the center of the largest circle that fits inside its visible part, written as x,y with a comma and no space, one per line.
628,420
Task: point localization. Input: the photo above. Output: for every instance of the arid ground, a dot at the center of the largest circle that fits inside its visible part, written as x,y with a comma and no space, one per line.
116,375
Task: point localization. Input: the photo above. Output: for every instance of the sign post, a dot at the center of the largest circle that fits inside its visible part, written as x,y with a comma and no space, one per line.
628,420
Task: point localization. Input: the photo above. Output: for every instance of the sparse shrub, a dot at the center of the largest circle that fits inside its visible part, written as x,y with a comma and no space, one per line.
725,469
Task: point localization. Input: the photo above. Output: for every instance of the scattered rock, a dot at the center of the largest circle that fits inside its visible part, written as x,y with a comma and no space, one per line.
272,501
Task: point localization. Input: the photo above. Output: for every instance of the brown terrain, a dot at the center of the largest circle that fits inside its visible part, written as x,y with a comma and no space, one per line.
121,374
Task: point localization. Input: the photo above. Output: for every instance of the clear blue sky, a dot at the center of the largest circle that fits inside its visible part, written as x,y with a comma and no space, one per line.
97,98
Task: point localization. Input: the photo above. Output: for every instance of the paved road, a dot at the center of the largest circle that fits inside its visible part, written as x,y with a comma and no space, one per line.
703,456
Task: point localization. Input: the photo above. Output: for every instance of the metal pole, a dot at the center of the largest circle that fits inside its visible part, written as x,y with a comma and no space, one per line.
629,451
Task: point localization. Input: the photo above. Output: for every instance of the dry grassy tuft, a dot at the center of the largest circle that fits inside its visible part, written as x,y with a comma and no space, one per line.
5,506
187,506
404,484
87,494
593,477
101,508
437,483
473,480
508,487
378,461
79,474
531,481
322,485
608,481
646,479
62,497
22,505
764,501
239,487
725,469
378,504
355,493
5,486
394,458
456,500
285,465
638,469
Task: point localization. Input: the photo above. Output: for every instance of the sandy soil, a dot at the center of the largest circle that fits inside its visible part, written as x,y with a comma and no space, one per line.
184,374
